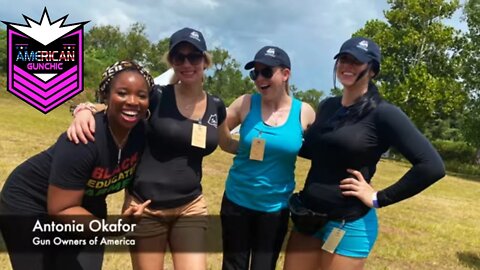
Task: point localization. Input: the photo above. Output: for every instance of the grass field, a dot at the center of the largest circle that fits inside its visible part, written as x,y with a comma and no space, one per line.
438,229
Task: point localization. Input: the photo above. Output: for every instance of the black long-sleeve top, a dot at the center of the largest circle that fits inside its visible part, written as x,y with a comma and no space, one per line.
359,146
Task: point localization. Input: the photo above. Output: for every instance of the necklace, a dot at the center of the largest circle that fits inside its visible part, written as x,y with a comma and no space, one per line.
120,145
276,117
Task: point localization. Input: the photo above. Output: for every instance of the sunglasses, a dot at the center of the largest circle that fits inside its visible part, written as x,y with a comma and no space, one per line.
193,58
267,73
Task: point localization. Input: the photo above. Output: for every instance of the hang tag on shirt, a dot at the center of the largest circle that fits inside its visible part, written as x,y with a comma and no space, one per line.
333,240
258,149
199,135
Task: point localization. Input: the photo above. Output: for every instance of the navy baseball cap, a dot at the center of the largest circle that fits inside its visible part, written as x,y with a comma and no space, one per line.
271,56
363,49
189,35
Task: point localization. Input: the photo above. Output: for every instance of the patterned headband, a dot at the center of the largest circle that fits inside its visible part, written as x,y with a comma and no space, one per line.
117,67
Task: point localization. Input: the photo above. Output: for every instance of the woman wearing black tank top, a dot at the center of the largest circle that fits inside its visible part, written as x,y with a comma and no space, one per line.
186,124
345,143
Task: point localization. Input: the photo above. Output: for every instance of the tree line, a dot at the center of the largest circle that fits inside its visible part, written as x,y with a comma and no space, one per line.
429,69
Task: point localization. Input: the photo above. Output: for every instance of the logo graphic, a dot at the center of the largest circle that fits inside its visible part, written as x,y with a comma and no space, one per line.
45,61
270,52
363,45
195,35
212,120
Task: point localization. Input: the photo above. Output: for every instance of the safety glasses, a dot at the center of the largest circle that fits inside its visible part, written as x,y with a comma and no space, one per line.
193,58
267,73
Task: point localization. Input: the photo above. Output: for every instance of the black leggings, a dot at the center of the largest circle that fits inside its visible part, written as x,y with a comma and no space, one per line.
251,238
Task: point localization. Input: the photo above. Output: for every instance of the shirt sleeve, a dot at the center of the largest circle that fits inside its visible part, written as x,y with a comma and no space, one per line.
427,166
306,151
221,109
72,164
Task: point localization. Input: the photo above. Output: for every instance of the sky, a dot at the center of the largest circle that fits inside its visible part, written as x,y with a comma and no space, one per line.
310,31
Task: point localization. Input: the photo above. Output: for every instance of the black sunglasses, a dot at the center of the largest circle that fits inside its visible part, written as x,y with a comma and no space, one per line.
267,73
193,58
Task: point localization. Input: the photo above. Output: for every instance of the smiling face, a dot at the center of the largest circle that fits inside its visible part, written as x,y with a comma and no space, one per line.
273,86
127,99
349,68
188,63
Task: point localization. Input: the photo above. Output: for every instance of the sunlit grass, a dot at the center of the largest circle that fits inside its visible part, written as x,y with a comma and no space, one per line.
438,229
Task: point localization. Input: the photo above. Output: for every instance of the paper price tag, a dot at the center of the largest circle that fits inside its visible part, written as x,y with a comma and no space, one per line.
199,135
333,240
258,149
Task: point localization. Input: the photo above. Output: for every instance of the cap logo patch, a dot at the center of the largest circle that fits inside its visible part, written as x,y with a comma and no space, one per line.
195,35
270,52
363,45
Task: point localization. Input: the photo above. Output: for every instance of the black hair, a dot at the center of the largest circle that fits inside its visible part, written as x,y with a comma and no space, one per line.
362,106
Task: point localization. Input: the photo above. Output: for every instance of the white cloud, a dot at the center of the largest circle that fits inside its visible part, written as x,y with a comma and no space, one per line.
310,31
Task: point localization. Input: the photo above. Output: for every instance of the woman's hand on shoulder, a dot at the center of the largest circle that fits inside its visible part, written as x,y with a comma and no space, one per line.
82,127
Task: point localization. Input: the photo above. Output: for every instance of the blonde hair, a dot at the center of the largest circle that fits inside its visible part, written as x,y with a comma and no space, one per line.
207,60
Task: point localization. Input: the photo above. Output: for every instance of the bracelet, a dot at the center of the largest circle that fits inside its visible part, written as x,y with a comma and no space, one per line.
84,106
375,201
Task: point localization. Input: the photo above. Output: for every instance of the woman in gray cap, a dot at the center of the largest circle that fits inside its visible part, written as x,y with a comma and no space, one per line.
186,125
335,214
254,209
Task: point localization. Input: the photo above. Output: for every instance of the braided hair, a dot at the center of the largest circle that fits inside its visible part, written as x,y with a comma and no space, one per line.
110,73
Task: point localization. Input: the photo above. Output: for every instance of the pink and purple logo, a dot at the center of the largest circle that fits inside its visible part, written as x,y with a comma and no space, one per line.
45,61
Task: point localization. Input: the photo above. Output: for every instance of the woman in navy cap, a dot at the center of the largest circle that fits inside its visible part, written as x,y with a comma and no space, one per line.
254,209
186,124
335,214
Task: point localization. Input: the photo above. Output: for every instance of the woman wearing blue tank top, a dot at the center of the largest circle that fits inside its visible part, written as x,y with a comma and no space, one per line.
254,208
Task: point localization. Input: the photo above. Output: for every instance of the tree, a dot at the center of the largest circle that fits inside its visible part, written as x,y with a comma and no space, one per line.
471,74
471,52
136,44
421,63
155,62
101,49
310,96
336,92
3,51
103,43
227,81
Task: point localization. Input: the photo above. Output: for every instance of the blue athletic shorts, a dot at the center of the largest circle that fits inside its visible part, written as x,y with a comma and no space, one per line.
360,235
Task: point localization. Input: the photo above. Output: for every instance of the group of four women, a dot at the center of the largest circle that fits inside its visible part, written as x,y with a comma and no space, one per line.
335,222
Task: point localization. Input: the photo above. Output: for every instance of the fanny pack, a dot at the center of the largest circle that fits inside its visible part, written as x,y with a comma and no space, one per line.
305,220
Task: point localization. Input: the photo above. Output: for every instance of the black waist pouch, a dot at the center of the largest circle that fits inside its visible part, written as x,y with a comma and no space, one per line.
305,220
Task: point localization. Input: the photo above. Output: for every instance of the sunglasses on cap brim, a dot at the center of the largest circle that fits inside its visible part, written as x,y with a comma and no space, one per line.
193,58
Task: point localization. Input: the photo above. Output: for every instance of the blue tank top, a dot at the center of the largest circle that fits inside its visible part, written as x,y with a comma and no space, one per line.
265,185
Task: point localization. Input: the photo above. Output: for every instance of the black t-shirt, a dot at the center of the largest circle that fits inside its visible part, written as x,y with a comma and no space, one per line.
93,167
171,168
359,146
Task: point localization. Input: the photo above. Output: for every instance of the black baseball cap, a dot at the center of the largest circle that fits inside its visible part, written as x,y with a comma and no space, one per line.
189,35
363,49
271,56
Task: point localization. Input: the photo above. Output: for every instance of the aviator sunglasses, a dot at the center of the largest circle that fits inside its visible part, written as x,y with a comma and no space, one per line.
267,73
193,58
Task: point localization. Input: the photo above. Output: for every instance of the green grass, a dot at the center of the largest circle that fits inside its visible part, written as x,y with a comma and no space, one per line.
438,229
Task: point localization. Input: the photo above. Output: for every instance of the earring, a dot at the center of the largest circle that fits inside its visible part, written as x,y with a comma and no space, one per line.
148,114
